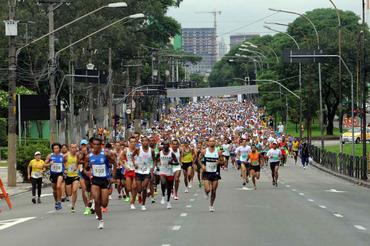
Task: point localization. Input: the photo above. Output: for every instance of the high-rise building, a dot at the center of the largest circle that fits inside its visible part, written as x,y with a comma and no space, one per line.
201,42
239,38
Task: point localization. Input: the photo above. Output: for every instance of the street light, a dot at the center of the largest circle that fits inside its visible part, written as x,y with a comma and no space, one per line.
319,66
300,77
257,47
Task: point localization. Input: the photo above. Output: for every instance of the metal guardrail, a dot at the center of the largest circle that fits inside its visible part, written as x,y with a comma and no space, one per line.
345,164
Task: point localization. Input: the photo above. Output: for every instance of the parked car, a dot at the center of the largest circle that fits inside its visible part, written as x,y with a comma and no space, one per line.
347,136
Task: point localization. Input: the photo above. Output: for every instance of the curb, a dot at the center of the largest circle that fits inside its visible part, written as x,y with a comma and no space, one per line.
347,178
28,190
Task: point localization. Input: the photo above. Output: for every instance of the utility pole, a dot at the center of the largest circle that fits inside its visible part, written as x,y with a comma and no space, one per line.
91,93
110,89
52,70
71,98
364,89
12,124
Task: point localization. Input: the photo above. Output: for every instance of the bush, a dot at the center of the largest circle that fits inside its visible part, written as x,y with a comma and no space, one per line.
4,153
25,153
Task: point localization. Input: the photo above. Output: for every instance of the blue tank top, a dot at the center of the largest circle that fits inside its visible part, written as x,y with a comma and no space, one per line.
100,165
57,165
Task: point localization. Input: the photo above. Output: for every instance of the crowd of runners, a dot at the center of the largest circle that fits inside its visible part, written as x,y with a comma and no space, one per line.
195,141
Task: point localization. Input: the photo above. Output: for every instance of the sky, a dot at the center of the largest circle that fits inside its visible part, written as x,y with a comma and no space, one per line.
248,16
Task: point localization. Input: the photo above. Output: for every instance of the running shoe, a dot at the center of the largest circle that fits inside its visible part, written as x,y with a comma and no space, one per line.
58,206
211,209
110,197
127,199
34,200
38,200
143,208
169,206
186,191
87,211
119,197
73,210
190,186
132,207
162,200
176,198
101,224
152,199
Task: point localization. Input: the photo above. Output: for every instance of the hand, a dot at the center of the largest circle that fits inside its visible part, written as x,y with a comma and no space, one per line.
204,168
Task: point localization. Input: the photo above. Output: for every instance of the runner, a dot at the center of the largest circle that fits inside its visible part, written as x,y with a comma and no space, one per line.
187,160
64,152
255,162
176,166
55,162
118,170
128,160
198,164
35,171
155,178
144,157
274,155
85,173
226,147
295,148
165,159
72,180
242,155
211,170
99,161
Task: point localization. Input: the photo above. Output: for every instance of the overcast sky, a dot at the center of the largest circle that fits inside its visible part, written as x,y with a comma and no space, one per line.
238,16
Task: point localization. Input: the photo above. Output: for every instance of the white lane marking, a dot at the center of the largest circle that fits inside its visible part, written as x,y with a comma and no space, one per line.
287,186
192,200
49,194
301,194
51,212
183,214
294,190
188,206
310,200
360,227
338,215
195,194
176,228
322,206
166,244
335,191
245,189
8,223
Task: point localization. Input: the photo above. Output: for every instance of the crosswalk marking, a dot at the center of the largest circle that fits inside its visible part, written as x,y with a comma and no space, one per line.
8,223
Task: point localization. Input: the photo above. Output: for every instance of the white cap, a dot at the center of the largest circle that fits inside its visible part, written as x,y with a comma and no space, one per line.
37,153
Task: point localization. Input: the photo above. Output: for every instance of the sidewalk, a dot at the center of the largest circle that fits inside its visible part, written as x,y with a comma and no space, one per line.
20,188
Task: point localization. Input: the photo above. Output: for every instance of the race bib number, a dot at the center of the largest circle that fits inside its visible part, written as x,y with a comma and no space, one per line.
254,163
99,171
72,167
36,175
211,167
56,167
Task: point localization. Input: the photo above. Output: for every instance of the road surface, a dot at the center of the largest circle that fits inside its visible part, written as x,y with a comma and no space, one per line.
308,208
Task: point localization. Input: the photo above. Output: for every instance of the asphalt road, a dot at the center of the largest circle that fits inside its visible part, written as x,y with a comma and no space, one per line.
308,208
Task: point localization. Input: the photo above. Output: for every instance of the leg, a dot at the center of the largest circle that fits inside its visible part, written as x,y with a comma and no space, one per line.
163,185
177,182
54,187
243,173
39,186
128,186
276,173
133,190
144,184
207,187
190,172
34,182
95,190
169,188
186,177
253,178
75,186
83,191
214,185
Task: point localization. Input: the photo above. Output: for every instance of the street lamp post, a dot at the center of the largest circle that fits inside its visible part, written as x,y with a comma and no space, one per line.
258,46
319,67
300,78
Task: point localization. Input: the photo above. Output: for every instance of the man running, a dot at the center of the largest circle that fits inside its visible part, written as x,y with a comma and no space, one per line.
118,170
274,155
176,166
128,161
255,162
211,170
99,161
55,162
72,180
242,155
187,159
165,159
144,161
85,173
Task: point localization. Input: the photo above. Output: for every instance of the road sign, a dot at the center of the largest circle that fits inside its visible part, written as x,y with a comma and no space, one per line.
128,111
287,56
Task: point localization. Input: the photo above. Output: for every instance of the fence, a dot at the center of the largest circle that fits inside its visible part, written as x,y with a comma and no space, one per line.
355,167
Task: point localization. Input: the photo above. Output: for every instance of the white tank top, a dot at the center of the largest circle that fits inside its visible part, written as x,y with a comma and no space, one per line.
130,163
211,159
144,161
164,164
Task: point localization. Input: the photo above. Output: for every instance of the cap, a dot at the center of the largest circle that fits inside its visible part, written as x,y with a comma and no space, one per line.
84,141
37,153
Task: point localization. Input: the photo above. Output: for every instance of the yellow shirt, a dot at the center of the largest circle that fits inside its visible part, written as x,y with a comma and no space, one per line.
36,168
295,146
71,166
188,157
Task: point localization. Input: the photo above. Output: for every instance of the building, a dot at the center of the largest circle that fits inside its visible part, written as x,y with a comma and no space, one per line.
201,42
239,38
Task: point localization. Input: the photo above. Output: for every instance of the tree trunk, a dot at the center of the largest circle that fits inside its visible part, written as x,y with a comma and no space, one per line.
330,123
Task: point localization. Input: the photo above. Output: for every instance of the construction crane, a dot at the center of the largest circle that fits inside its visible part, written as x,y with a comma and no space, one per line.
214,13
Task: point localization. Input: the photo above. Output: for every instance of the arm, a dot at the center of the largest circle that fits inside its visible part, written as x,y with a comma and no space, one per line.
47,161
29,170
221,159
123,160
202,154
